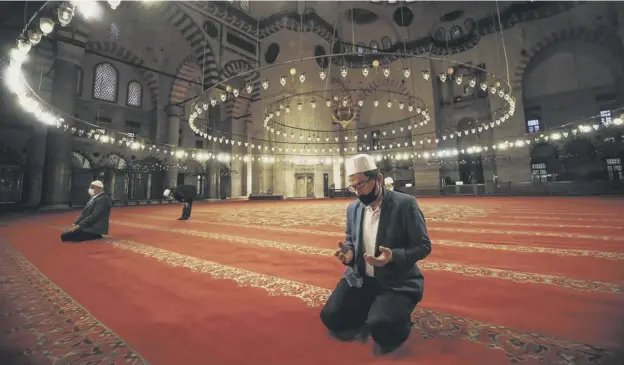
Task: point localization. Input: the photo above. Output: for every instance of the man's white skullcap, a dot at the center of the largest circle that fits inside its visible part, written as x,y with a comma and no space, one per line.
98,183
359,163
167,192
388,180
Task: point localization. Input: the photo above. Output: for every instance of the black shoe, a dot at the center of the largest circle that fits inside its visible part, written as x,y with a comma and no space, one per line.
379,350
183,219
359,334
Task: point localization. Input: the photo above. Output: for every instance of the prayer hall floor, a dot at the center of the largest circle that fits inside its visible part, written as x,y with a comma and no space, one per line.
509,280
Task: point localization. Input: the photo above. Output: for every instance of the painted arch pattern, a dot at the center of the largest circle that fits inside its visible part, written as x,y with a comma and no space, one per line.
194,35
187,72
120,52
606,40
239,107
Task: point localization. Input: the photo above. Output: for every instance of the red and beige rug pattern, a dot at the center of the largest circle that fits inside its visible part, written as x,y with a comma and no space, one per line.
509,281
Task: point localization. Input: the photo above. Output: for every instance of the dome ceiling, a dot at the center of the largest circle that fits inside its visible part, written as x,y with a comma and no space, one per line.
445,27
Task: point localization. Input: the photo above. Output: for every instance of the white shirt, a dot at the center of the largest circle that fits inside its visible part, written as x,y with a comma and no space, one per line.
370,225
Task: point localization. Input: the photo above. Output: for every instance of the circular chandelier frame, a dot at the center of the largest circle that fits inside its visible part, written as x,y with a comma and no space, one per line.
497,87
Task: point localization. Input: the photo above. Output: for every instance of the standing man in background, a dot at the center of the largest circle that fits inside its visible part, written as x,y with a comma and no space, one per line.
184,194
94,220
386,235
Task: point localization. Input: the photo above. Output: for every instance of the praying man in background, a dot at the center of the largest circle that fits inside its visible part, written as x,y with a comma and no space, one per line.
94,220
184,194
386,235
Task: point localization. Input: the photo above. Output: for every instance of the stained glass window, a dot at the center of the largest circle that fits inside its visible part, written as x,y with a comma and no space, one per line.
135,92
105,84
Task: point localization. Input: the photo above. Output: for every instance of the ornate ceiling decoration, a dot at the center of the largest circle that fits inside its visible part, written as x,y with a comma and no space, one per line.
312,22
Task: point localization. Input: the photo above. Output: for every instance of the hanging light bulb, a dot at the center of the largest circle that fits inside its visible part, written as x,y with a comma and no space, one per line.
23,45
293,71
344,102
426,74
265,84
65,14
302,78
114,3
328,102
322,75
365,71
360,102
458,80
223,97
249,88
410,107
283,80
483,86
389,104
235,92
34,36
343,71
299,106
376,102
313,104
213,101
386,72
407,73
401,105
442,76
46,25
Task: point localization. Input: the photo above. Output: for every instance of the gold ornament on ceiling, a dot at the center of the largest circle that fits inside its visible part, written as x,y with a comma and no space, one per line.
343,112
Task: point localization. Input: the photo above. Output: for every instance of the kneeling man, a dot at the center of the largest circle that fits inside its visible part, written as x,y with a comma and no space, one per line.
386,235
93,222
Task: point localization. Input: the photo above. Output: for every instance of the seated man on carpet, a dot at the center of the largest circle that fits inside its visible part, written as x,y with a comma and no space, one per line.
386,235
93,222
184,194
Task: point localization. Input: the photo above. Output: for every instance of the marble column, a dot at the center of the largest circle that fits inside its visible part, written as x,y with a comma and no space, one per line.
174,113
238,131
36,165
57,175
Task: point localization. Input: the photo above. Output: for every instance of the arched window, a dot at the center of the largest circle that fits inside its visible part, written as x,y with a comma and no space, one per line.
105,82
386,42
135,94
374,46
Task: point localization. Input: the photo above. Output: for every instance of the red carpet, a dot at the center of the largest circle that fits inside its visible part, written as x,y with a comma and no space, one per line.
531,280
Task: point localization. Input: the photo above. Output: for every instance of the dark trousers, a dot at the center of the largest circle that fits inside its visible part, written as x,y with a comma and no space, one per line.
186,209
386,314
79,236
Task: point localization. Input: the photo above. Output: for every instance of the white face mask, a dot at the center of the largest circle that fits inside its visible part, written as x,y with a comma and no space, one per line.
91,192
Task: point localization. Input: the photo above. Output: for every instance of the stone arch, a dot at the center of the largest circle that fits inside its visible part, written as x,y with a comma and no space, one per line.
118,51
195,167
186,73
547,154
114,161
198,40
580,161
80,161
603,39
240,106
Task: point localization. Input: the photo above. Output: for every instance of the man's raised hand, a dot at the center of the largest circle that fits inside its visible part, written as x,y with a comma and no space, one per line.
384,257
344,253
